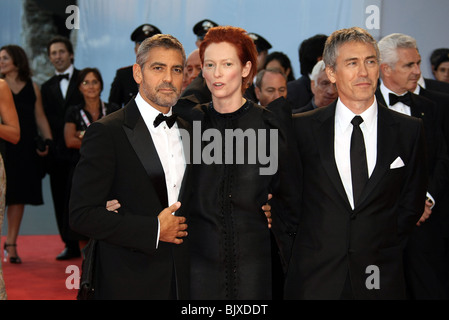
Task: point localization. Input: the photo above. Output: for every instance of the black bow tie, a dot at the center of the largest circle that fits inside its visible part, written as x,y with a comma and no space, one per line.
405,99
63,76
170,120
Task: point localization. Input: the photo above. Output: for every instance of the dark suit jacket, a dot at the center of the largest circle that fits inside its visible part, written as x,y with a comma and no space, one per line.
119,161
334,241
123,88
55,107
436,85
437,159
299,92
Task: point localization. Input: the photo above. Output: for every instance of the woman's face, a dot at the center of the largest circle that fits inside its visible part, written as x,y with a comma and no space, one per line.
91,86
223,70
6,63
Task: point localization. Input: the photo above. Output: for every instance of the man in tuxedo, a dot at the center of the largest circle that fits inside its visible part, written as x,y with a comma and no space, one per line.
362,170
136,156
59,93
123,87
400,73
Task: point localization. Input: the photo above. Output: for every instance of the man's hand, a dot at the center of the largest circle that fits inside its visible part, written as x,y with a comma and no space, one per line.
113,205
267,210
427,212
172,228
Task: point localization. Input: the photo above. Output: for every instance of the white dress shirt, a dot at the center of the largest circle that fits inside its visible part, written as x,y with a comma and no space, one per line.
64,83
342,142
168,144
399,106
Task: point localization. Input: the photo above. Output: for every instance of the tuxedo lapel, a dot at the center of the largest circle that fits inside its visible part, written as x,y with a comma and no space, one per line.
56,91
324,130
183,125
386,140
142,143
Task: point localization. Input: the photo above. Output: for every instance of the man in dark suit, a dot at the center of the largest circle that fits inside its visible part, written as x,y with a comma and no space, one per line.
135,158
123,88
400,73
59,93
310,52
363,175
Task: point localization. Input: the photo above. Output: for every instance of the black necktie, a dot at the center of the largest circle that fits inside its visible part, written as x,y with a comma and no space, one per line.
170,120
63,76
405,99
359,166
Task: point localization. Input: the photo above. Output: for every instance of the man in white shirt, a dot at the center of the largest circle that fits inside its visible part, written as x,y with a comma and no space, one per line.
136,156
362,171
58,93
400,74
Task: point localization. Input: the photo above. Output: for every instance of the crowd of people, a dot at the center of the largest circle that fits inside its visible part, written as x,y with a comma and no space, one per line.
362,173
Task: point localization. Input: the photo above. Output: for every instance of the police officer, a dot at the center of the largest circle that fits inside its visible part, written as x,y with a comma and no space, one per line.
201,28
124,87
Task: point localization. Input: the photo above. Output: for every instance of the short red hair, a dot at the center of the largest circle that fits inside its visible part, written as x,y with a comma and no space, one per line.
238,37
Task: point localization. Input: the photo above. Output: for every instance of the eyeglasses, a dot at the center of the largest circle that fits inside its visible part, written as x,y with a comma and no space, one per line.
93,82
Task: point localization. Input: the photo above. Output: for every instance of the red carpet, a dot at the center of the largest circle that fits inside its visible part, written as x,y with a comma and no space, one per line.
40,276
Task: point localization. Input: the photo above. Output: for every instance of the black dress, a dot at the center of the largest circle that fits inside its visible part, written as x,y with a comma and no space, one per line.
24,171
228,232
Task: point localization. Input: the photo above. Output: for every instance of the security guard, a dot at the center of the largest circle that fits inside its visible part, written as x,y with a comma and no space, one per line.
124,87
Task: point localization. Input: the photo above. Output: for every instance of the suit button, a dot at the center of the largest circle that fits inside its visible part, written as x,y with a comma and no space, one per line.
353,216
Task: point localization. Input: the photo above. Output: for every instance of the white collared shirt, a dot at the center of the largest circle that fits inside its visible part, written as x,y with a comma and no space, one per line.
399,106
168,144
64,83
342,142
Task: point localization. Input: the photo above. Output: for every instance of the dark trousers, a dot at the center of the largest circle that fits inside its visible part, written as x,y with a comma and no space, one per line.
59,178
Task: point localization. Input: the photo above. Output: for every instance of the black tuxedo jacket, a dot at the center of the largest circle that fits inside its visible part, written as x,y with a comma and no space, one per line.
334,241
437,159
119,161
123,88
55,107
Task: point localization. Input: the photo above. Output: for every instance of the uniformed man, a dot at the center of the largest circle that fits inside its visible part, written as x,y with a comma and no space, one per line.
201,28
124,87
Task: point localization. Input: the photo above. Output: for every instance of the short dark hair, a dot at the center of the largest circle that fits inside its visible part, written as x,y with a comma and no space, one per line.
309,51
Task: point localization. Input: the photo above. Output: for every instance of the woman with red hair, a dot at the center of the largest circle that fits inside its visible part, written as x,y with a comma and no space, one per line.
229,237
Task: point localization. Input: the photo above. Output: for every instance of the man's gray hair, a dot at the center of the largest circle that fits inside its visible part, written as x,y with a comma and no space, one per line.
342,36
317,69
157,41
388,47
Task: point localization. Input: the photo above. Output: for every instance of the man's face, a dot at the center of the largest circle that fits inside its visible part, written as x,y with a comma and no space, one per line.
442,72
60,57
273,86
406,72
160,78
193,67
355,74
323,90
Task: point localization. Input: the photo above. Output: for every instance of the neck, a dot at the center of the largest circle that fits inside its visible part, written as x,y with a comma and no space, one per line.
393,87
358,107
92,104
12,77
229,105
